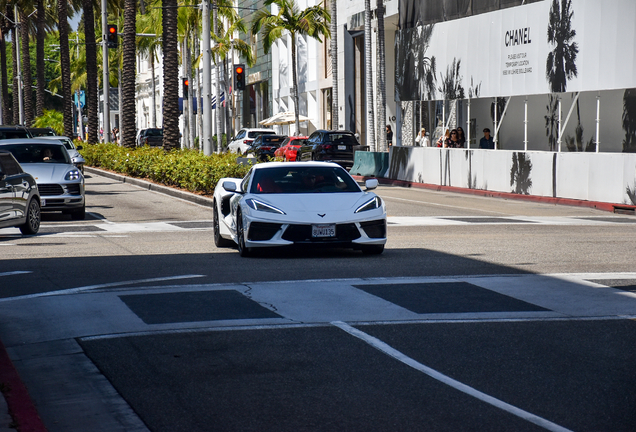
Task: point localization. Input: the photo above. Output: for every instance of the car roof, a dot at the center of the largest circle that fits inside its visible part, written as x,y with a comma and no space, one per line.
53,137
37,140
307,164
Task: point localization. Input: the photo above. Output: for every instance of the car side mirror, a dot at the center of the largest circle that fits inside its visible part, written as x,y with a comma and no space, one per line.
371,184
229,186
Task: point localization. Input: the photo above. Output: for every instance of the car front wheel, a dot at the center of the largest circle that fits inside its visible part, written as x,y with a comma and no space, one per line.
32,224
218,240
79,214
243,250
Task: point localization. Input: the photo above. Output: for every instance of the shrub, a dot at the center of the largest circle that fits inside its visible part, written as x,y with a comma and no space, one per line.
187,169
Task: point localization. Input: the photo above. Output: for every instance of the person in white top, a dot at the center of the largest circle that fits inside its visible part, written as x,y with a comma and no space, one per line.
422,140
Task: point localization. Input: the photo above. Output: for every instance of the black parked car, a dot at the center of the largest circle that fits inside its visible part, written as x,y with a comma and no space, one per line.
39,132
13,132
327,145
264,146
152,137
19,196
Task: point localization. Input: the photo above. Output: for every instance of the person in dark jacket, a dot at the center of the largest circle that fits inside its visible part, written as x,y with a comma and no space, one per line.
486,142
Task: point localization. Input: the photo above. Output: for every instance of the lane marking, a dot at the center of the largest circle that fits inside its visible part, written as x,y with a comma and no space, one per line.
95,287
388,350
14,273
438,204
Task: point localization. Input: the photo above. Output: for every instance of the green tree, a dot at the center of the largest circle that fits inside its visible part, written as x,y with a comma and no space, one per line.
170,76
65,64
91,72
128,111
313,22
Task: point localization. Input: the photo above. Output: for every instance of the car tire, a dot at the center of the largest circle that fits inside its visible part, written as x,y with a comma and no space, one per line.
218,240
79,214
372,249
33,218
243,250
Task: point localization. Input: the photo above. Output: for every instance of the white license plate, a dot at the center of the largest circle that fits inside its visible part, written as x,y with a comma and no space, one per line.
342,147
42,203
323,230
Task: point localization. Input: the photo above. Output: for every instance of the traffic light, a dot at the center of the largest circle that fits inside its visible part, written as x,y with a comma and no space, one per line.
111,36
239,76
185,83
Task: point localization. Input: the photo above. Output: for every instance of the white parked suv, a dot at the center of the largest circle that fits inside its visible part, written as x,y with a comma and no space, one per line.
241,142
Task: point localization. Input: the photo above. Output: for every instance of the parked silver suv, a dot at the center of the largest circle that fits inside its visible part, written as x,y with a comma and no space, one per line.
19,196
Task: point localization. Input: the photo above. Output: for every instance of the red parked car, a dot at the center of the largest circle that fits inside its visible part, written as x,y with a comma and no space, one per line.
289,147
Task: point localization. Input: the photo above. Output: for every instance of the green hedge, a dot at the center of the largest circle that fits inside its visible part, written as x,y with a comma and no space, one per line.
187,169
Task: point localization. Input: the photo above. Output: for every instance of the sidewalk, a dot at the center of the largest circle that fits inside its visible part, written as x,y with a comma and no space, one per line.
16,400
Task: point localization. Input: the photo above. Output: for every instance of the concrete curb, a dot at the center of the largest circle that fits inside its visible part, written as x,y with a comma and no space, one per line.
609,207
177,193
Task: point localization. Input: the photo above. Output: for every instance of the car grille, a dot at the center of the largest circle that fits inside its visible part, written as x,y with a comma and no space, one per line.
302,234
374,229
261,231
50,189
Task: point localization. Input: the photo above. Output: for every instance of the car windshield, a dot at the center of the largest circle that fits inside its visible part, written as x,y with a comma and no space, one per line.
12,134
296,179
154,132
38,153
254,134
342,138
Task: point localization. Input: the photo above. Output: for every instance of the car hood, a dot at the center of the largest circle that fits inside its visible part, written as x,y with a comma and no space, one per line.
47,173
317,207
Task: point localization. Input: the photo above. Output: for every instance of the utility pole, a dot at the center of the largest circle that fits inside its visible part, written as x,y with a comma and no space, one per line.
105,79
206,139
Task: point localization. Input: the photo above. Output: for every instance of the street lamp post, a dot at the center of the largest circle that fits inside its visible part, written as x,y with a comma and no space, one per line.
18,68
105,79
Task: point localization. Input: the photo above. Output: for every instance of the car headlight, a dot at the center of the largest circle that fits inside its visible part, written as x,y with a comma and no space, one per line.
72,175
372,204
261,206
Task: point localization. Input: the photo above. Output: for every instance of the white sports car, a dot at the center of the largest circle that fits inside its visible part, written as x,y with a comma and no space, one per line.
298,203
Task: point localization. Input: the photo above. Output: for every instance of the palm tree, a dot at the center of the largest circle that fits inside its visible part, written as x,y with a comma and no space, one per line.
65,63
39,54
312,22
27,79
128,112
334,65
381,76
91,72
561,62
14,54
552,121
170,76
629,121
6,106
368,74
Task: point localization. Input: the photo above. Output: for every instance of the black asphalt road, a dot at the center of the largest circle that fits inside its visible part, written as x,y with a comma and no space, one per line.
579,375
